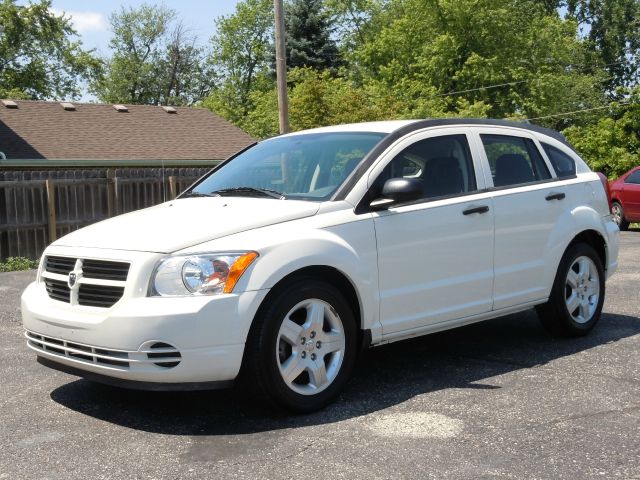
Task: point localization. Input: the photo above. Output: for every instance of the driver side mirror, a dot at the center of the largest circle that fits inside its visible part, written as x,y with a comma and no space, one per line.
398,190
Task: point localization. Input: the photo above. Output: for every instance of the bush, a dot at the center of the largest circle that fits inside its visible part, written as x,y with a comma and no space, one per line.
14,264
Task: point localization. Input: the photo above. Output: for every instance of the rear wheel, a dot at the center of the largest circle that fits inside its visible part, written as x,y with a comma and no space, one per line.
617,213
575,304
302,346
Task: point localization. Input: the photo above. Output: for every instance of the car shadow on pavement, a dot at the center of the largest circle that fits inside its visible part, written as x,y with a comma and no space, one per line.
466,357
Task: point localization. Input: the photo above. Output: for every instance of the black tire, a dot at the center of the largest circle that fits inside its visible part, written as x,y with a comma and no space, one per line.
264,350
618,217
555,314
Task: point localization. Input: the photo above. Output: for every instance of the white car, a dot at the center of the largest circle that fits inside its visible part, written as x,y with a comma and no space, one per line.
286,260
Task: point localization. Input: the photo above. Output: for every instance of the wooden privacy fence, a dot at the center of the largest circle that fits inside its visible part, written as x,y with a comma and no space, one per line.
38,206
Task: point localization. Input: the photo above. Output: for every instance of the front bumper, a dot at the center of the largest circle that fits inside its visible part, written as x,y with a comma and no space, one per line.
186,340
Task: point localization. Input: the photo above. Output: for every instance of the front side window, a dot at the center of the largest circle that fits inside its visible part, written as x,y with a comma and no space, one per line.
633,178
562,163
444,165
514,160
301,167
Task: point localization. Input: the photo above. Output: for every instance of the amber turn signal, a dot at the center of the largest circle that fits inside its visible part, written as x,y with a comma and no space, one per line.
237,269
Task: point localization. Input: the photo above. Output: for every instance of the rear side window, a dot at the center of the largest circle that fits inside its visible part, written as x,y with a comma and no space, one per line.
562,163
633,178
444,165
514,160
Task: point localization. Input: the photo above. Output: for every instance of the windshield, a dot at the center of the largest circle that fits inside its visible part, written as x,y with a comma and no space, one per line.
302,167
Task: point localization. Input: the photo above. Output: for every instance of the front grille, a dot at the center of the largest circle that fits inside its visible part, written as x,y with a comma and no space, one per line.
58,290
61,265
105,270
89,294
82,353
99,295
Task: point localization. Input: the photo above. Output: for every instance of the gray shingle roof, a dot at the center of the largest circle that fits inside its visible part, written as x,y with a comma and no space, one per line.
37,130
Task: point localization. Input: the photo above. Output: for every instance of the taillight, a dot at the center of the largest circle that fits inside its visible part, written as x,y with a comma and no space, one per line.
605,184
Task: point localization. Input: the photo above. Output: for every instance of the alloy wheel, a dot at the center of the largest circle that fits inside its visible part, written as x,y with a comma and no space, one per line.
310,346
582,289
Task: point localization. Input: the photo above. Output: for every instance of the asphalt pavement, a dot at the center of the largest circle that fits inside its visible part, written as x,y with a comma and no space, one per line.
499,399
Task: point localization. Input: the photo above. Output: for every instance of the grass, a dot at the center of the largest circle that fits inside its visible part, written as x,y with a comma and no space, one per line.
13,264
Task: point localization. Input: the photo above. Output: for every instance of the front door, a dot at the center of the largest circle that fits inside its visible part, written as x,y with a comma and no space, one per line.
435,255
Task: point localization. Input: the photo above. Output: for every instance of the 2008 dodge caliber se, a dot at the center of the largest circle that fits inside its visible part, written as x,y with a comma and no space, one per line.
287,259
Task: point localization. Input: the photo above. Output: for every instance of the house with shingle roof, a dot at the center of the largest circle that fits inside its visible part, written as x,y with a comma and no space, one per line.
92,131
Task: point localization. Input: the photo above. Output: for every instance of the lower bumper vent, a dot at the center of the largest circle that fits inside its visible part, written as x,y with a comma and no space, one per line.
83,353
164,355
153,354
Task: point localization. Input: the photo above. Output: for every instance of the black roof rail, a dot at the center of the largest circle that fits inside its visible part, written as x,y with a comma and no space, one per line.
525,125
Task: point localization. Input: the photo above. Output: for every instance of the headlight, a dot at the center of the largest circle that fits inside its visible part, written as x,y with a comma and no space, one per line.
199,274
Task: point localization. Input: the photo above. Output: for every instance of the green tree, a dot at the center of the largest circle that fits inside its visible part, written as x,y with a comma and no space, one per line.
318,98
39,55
262,120
308,36
130,73
240,58
154,61
614,30
513,57
611,144
185,77
352,19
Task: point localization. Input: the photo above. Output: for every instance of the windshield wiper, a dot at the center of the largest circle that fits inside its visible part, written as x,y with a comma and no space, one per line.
198,194
251,191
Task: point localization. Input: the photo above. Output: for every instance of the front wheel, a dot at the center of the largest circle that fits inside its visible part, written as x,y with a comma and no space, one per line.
302,346
577,295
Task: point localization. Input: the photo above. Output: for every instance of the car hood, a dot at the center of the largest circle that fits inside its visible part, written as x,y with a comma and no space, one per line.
182,223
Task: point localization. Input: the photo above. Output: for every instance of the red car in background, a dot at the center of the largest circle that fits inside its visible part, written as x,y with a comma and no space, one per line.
625,198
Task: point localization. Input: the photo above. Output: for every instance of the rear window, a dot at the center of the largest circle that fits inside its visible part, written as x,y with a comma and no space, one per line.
562,163
514,160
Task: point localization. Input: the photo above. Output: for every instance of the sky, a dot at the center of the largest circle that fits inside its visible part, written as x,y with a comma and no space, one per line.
91,17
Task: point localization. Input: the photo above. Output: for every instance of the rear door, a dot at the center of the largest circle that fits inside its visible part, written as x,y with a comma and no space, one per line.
528,202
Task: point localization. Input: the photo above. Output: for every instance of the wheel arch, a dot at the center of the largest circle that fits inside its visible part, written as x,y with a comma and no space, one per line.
595,240
330,275
579,225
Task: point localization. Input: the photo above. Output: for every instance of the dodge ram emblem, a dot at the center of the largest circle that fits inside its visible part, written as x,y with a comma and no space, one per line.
72,279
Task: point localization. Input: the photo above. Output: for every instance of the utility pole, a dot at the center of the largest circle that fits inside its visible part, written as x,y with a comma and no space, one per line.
281,69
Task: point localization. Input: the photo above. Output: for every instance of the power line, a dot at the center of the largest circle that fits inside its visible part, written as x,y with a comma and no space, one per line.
482,88
498,85
578,111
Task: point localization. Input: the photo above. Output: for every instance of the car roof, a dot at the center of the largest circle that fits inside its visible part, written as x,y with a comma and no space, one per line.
386,126
402,127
